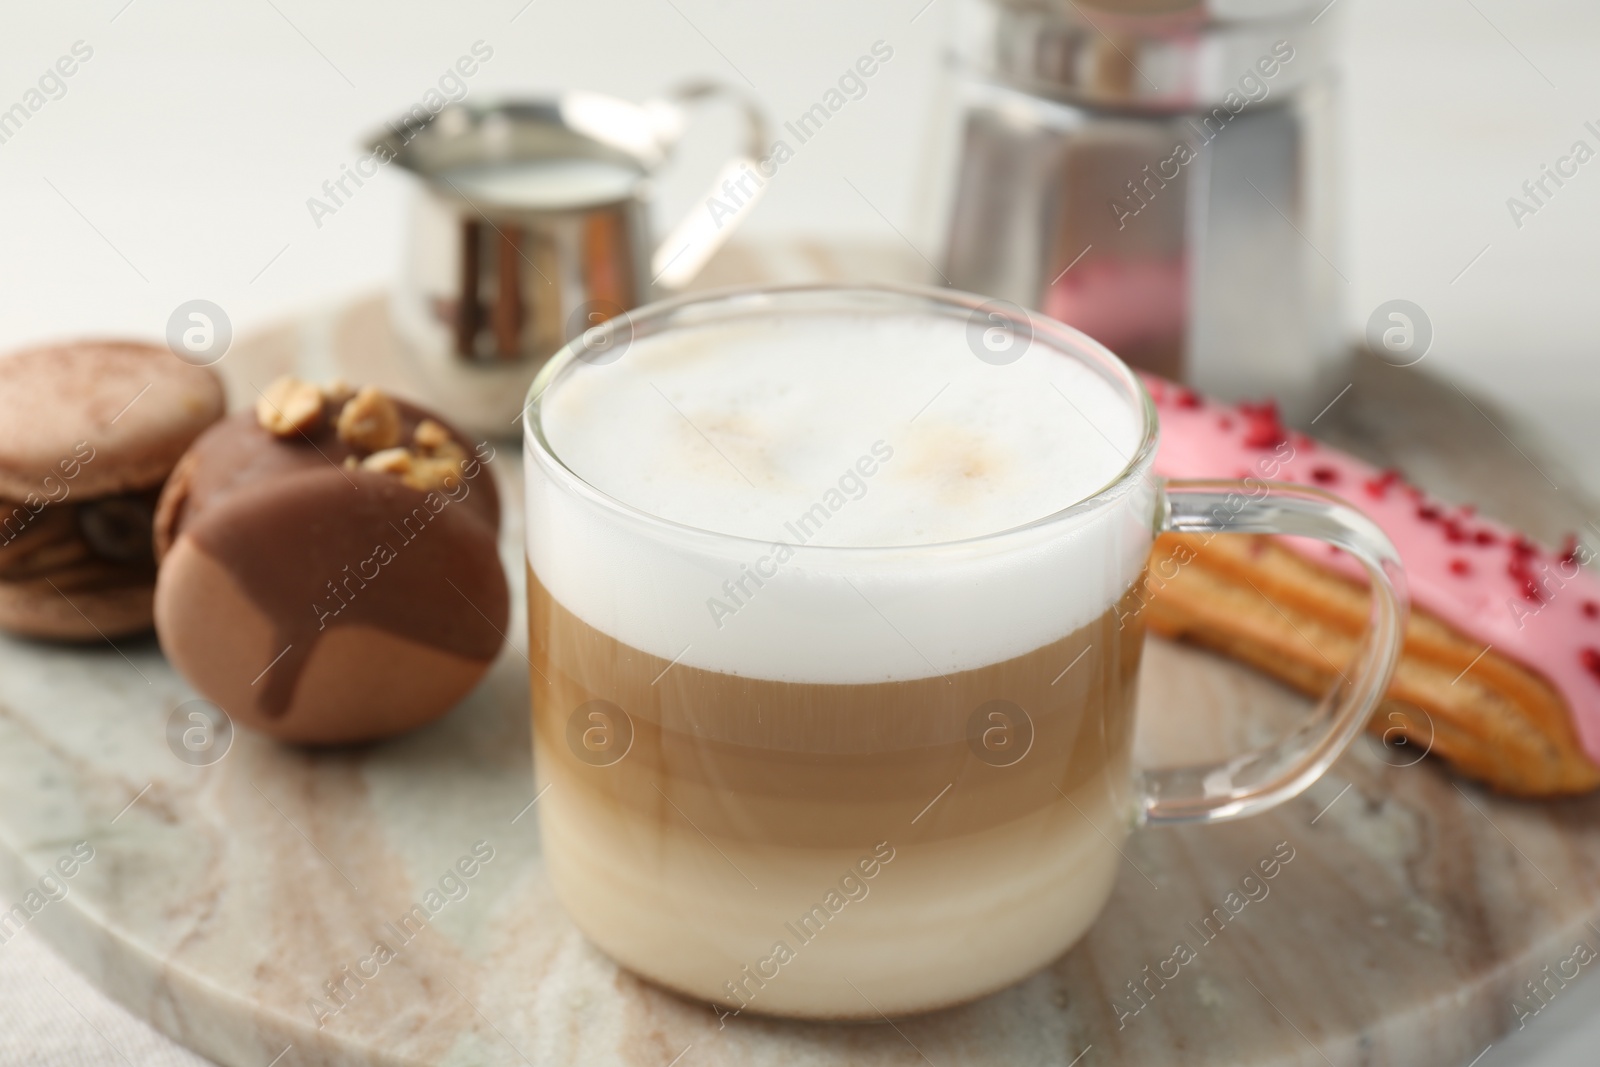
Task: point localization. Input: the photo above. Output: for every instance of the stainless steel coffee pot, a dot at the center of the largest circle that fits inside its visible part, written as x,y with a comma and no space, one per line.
531,224
1156,173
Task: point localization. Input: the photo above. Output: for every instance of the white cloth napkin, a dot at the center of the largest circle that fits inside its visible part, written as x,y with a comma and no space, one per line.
50,1016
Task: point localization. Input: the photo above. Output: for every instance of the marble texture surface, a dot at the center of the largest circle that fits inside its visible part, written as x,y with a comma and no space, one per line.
221,900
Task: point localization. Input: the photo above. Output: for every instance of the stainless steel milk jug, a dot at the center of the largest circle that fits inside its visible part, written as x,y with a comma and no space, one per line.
531,224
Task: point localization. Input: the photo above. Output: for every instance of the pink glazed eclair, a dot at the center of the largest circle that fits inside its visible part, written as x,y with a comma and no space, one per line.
1501,671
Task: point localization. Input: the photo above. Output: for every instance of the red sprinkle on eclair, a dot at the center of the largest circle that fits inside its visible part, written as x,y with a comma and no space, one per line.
1263,428
1378,487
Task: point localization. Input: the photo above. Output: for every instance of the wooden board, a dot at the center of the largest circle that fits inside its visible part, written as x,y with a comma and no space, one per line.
222,898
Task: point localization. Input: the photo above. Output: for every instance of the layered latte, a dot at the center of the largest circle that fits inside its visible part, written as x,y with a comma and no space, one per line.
832,682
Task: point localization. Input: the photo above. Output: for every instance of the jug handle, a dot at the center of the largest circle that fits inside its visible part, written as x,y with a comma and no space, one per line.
716,213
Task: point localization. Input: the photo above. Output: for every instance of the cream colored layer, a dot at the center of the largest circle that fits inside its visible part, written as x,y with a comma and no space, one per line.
938,924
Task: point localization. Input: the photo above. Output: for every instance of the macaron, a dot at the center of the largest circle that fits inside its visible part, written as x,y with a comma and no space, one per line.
89,431
330,571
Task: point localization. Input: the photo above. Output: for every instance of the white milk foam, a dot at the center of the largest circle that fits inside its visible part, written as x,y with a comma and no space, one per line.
808,432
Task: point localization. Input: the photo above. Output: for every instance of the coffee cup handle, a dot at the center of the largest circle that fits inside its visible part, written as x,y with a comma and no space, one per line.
1262,779
738,183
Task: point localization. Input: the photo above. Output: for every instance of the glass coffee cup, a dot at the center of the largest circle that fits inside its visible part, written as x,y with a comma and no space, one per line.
835,633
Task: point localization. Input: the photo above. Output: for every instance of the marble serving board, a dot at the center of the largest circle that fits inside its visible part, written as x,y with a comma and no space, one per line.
218,901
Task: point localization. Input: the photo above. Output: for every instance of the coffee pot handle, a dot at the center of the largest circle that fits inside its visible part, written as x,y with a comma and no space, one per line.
1262,779
738,184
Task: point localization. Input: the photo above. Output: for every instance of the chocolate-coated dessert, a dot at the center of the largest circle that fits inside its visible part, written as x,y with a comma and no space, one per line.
329,569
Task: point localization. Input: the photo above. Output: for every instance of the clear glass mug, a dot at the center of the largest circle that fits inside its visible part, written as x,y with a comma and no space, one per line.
747,826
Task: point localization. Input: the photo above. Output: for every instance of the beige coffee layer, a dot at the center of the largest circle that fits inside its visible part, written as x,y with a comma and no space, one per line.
698,785
821,765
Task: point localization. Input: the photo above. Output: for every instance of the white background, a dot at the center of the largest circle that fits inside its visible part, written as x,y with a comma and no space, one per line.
179,161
